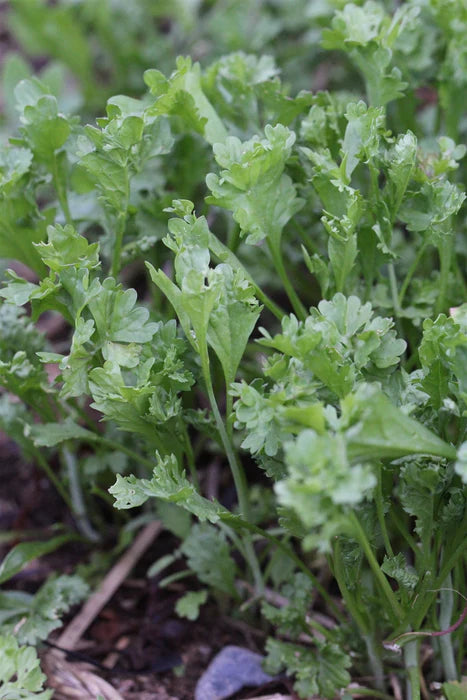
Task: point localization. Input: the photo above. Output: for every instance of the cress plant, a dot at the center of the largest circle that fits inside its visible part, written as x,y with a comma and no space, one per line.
303,321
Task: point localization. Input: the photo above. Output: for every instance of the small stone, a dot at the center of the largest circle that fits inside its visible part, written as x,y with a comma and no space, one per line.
231,670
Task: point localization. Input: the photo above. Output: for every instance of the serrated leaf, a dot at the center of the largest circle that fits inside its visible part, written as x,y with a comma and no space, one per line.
20,673
252,183
41,613
182,94
208,555
117,316
189,604
321,672
65,247
397,568
168,483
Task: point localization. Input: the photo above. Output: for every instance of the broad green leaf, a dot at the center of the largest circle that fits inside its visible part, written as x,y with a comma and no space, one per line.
66,248
365,125
51,434
18,557
15,69
14,164
342,255
430,208
232,321
117,316
174,295
253,185
45,130
368,35
21,225
420,484
455,690
75,366
381,430
111,179
185,84
461,462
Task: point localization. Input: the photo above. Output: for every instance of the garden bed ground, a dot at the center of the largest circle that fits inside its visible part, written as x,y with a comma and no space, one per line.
137,642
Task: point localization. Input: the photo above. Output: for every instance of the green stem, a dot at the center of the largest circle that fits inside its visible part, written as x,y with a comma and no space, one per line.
235,468
234,239
349,253
383,583
61,191
380,512
118,447
79,506
238,523
117,249
411,272
445,642
297,305
393,287
229,417
374,187
445,250
403,531
395,298
428,594
310,246
338,570
269,303
44,465
327,634
421,604
413,671
457,550
376,665
190,458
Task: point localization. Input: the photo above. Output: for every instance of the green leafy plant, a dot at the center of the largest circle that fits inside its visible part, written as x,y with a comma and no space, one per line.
20,673
300,318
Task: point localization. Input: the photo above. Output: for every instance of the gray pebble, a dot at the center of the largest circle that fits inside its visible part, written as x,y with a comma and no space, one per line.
231,670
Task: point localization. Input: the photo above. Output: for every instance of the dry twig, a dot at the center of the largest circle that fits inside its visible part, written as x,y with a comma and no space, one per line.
76,680
108,586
